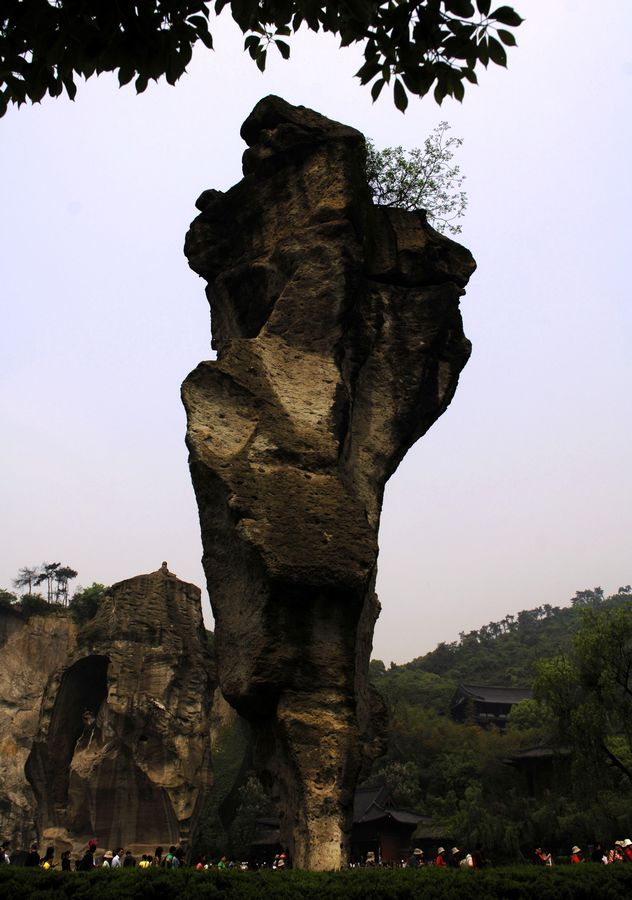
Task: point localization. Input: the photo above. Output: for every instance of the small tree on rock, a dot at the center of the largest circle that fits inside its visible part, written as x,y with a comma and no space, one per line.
422,178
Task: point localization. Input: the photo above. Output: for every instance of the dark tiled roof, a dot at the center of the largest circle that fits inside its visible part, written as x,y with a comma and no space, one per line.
491,694
397,815
365,798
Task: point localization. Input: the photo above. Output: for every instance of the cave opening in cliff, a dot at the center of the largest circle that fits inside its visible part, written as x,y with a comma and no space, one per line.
82,690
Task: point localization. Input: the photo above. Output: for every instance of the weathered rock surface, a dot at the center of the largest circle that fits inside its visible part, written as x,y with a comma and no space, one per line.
119,718
339,343
30,650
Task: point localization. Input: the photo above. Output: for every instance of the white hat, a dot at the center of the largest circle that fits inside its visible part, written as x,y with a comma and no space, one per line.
626,843
441,850
576,849
454,850
418,852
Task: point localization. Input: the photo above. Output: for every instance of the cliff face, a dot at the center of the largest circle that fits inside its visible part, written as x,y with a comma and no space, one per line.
120,719
339,343
29,651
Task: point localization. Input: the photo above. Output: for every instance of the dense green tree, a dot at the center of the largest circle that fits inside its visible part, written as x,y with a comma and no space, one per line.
7,599
85,602
402,780
34,604
253,804
421,178
588,598
590,691
529,715
413,46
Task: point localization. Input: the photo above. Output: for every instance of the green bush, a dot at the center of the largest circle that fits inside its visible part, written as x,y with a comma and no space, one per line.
36,605
85,603
587,882
7,599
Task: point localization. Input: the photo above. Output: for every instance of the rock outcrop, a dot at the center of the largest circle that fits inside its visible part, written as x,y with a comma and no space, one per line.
339,343
30,650
118,737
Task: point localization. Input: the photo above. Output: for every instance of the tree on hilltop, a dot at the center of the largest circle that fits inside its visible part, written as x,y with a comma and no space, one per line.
47,574
26,578
54,575
414,45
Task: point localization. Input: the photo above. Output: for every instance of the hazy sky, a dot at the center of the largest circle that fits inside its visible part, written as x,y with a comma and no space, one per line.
519,495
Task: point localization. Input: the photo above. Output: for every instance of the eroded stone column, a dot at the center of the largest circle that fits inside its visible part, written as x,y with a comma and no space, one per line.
339,342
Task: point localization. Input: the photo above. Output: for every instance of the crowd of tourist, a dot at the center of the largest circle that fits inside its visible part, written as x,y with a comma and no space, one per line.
620,852
113,859
174,858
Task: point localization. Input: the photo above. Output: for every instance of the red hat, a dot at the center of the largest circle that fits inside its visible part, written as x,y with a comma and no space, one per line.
92,843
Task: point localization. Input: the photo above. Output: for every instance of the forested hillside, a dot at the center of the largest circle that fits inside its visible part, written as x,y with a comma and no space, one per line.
472,779
501,653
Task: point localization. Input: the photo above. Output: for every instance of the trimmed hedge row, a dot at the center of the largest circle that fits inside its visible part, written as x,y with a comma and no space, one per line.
588,882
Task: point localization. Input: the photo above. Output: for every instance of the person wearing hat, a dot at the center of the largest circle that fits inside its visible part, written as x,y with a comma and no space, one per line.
416,859
107,859
616,854
440,859
87,862
455,858
576,855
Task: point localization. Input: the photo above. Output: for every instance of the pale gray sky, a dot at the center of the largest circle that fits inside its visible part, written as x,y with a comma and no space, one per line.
518,496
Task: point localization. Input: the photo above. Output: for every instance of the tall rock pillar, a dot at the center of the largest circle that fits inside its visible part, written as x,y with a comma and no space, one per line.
339,342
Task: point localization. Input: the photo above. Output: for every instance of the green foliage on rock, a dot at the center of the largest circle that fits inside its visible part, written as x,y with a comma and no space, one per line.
85,602
415,48
7,599
36,605
421,178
